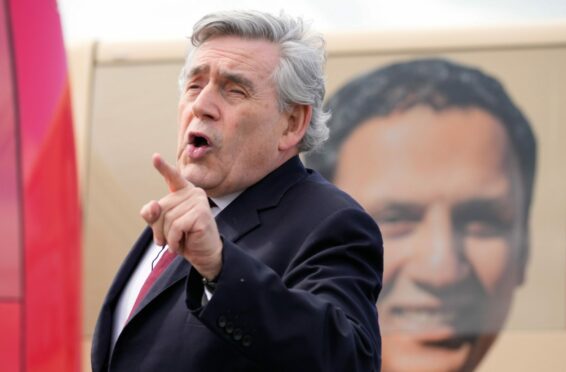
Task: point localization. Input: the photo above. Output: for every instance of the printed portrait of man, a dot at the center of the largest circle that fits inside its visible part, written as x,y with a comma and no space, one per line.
444,160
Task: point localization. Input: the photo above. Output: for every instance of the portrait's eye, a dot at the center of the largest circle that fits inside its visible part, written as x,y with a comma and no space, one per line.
396,228
397,222
483,219
485,228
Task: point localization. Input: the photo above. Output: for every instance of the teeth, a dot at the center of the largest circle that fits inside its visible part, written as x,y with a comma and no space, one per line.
423,318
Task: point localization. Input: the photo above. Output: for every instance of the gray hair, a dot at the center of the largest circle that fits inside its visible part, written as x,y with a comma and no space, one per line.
299,77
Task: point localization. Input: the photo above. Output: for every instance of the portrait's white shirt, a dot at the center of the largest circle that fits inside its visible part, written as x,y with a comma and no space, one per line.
149,259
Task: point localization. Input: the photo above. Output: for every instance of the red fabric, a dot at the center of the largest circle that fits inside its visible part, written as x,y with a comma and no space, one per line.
162,264
39,199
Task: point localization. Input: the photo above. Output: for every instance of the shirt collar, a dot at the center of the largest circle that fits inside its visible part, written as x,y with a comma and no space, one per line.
223,201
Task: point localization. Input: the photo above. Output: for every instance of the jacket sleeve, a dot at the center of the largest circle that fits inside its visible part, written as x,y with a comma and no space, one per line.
320,315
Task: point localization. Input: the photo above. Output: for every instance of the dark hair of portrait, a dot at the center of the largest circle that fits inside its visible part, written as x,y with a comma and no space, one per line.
436,83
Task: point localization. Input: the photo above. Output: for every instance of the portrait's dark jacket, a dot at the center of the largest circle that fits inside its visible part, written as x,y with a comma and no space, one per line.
302,269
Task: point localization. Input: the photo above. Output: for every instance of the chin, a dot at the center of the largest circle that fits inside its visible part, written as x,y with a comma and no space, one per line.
404,352
198,175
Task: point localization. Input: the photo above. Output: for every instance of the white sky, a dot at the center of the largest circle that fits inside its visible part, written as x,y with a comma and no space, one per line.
172,19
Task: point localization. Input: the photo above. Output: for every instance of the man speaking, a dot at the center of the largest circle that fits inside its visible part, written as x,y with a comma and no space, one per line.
251,262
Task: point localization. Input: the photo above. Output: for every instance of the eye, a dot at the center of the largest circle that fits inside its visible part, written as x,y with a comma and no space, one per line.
396,223
396,229
485,228
234,90
192,90
193,87
484,220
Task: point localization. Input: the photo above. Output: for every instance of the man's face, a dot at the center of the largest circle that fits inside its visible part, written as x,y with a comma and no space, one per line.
229,122
446,191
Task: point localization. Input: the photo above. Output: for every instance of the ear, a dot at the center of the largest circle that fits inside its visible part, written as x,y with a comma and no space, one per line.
523,255
297,122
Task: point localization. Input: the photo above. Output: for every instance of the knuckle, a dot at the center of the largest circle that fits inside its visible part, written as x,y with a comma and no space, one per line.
177,226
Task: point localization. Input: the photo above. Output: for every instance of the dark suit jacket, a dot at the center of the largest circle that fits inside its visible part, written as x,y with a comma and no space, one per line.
302,269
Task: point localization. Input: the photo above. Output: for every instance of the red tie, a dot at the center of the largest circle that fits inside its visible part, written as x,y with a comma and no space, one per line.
162,264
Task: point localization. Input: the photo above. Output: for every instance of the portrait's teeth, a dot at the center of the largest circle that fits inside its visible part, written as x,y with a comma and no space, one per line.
424,318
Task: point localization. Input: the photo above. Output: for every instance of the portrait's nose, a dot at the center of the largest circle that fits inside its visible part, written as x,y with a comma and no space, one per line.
439,257
205,106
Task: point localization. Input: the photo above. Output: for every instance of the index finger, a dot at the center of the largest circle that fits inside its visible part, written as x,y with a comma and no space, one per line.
174,180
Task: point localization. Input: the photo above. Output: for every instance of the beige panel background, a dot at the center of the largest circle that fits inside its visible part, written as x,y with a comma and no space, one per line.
125,97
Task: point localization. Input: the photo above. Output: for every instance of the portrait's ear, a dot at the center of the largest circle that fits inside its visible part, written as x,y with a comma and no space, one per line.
523,256
297,122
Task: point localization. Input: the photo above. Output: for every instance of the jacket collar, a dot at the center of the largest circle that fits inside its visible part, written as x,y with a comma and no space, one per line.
242,215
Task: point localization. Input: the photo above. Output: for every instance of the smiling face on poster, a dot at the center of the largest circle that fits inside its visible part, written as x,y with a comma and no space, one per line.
444,161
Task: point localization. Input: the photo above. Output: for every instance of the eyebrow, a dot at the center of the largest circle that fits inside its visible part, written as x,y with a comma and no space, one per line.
238,79
229,76
405,208
197,70
486,208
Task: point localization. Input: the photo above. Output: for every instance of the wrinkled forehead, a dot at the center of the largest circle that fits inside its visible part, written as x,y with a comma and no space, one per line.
252,50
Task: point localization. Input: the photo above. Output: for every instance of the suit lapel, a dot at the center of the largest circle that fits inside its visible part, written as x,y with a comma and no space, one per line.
103,330
243,214
177,270
129,265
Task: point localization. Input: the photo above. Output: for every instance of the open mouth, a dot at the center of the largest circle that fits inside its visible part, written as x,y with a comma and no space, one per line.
198,140
448,320
198,146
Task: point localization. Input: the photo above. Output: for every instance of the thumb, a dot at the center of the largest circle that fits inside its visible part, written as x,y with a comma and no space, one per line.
151,212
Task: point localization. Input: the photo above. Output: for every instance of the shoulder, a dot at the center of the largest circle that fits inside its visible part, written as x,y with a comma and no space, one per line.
313,205
316,192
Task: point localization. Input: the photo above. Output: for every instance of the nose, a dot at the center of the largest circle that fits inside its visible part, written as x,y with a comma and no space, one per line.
439,258
206,105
